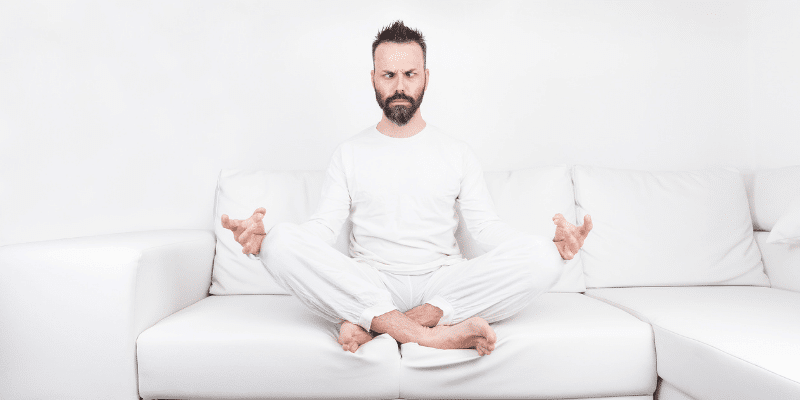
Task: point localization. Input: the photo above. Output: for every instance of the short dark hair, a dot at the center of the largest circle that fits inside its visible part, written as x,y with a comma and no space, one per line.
399,33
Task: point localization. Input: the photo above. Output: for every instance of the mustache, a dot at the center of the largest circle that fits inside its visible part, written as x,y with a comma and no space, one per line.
400,96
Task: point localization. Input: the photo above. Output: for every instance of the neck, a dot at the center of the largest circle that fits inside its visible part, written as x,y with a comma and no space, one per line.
413,127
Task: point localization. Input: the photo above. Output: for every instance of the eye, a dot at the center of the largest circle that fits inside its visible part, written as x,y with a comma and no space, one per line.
389,74
409,74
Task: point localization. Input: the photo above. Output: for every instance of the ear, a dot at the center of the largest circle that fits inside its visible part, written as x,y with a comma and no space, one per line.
427,78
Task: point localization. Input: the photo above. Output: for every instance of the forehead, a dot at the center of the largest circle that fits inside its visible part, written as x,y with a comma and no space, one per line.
392,56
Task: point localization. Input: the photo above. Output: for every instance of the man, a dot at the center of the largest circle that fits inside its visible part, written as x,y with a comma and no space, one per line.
401,179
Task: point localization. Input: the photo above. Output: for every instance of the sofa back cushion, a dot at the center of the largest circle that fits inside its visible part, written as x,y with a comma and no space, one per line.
770,193
667,228
526,199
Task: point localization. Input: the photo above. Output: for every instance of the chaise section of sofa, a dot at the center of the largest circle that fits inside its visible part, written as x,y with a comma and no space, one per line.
723,342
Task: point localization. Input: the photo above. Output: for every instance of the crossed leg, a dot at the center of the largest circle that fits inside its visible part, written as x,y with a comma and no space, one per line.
486,289
335,287
474,293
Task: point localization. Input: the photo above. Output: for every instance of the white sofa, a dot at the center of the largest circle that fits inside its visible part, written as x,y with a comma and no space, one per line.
178,314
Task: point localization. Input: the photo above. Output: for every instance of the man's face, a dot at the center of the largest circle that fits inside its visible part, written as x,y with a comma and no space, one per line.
399,79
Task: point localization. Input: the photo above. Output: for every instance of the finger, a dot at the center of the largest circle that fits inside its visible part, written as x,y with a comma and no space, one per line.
245,236
232,224
254,228
225,221
257,228
587,225
228,223
259,213
572,244
558,218
561,230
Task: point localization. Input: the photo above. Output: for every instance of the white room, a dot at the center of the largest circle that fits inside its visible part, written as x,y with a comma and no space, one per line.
595,200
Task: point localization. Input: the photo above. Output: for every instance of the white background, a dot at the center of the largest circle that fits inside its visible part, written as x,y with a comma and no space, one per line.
118,116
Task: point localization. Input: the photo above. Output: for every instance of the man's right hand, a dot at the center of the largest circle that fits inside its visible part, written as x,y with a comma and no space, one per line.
248,232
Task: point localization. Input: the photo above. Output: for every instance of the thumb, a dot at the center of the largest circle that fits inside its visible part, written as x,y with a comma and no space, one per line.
226,221
259,213
587,224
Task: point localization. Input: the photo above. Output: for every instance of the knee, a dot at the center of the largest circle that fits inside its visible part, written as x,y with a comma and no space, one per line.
545,260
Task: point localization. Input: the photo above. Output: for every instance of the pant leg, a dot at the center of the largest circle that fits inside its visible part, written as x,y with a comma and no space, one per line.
497,284
329,283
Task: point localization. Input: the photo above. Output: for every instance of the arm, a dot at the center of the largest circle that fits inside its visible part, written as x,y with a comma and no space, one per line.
334,203
331,214
71,309
478,209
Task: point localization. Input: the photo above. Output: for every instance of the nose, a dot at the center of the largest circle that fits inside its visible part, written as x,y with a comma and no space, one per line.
401,84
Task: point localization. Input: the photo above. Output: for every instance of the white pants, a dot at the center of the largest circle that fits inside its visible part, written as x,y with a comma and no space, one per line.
493,286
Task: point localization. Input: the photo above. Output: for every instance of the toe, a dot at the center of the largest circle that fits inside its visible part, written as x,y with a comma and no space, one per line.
491,337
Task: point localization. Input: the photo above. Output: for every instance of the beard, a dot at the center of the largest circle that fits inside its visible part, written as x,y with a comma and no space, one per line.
399,114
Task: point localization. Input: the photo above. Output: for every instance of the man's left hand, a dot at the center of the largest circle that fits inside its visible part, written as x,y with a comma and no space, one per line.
569,238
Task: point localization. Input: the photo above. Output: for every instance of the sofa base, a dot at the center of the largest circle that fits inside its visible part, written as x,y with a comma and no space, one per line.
665,391
645,397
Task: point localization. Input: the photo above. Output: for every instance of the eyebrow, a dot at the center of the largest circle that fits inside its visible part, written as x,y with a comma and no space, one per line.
411,70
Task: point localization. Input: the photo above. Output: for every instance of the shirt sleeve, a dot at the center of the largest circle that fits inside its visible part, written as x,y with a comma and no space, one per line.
334,204
478,209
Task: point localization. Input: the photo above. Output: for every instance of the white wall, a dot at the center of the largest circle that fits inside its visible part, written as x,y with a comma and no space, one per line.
774,83
118,116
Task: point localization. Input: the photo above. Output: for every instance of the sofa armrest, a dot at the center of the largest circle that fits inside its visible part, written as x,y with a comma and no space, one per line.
781,262
71,309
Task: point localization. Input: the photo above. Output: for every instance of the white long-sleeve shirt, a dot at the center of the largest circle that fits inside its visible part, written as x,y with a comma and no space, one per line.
402,192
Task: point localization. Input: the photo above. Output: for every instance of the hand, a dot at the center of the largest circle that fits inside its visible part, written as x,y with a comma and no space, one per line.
569,238
249,232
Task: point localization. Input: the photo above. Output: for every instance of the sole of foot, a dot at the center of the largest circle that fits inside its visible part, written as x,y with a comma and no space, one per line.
352,336
474,333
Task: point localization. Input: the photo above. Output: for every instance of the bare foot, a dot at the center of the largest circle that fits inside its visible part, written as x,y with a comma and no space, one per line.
474,333
352,336
425,315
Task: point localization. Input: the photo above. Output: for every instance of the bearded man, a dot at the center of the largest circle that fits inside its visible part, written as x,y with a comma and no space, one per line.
405,276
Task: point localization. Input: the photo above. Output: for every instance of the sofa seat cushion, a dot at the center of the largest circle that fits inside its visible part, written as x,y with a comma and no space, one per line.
564,345
259,346
723,342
